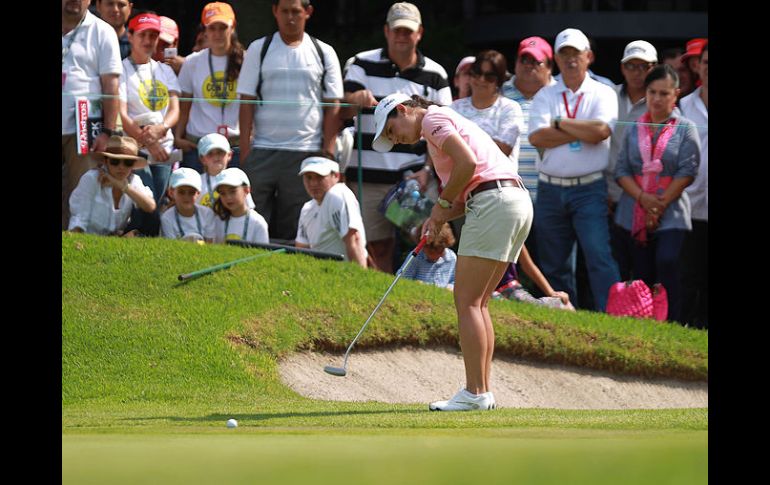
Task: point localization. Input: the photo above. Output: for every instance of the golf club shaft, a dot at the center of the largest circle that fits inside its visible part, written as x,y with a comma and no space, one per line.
403,267
195,274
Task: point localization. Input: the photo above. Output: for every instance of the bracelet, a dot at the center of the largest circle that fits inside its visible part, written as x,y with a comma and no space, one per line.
556,122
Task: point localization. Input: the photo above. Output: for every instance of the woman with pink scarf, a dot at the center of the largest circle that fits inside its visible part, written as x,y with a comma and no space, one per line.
659,157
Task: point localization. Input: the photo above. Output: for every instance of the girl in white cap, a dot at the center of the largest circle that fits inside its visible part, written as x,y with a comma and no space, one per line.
236,221
102,201
479,181
185,219
215,153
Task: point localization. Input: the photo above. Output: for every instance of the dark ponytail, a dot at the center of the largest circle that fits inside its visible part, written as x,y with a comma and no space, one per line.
234,58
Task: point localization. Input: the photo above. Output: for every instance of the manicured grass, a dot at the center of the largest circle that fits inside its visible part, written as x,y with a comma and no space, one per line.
152,368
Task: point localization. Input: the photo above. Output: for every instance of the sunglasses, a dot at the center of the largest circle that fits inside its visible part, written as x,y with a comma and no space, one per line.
116,161
488,76
637,67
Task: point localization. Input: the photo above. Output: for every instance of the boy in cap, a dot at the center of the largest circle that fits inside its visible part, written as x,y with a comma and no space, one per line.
185,219
215,153
103,199
331,220
168,39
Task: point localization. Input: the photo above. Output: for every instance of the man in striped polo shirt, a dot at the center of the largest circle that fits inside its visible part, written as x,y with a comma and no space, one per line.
374,74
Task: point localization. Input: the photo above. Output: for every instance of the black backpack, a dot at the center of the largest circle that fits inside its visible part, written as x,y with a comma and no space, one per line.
268,40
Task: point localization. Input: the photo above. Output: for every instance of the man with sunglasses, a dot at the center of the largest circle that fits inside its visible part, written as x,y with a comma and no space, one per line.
639,57
103,199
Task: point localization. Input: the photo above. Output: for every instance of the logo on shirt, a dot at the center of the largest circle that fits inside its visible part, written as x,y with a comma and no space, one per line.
213,92
160,95
436,130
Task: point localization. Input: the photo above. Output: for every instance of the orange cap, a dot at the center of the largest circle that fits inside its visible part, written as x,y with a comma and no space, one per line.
218,12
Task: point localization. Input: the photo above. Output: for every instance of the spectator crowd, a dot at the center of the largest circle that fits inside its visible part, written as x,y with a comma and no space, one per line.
253,142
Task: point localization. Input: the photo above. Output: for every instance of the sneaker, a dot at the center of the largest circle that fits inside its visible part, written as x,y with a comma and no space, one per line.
491,398
465,401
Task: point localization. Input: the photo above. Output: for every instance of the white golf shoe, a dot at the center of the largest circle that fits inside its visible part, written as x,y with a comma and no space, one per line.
465,401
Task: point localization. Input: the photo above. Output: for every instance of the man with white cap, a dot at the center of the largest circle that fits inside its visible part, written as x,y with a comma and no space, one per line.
331,220
374,74
639,57
571,122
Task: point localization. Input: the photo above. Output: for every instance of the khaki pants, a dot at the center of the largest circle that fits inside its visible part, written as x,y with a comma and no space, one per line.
73,166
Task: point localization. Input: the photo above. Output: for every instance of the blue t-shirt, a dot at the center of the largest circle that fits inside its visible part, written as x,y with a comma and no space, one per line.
440,273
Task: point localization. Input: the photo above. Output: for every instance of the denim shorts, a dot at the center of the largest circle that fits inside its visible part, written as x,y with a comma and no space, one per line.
497,223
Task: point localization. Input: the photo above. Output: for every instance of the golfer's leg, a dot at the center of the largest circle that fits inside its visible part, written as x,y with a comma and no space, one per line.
473,277
501,269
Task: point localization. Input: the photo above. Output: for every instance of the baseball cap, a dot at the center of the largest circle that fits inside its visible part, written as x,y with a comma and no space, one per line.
640,49
320,165
382,143
572,38
218,12
234,177
537,47
465,62
404,14
185,176
144,21
212,141
694,48
169,32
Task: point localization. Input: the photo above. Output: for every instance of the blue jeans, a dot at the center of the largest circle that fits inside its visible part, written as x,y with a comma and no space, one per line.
658,262
565,215
190,159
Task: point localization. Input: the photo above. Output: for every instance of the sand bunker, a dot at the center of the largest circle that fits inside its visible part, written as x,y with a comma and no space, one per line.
418,375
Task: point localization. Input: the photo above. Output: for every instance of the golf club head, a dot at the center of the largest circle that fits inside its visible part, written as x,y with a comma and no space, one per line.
335,371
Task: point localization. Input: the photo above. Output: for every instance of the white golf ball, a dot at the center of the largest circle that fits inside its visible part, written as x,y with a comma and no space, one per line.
231,423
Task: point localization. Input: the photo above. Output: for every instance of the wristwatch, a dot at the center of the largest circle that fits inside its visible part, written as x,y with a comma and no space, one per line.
556,122
108,131
443,203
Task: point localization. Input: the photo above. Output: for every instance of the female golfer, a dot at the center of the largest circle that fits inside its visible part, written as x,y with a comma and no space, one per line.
479,181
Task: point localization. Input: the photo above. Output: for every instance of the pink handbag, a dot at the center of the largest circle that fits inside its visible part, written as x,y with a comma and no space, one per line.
635,299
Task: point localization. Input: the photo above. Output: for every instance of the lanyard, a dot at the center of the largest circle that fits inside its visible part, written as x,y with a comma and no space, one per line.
197,221
153,91
66,50
245,226
223,95
211,192
566,106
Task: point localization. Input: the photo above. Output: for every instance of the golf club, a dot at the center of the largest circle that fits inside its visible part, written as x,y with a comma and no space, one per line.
288,249
341,371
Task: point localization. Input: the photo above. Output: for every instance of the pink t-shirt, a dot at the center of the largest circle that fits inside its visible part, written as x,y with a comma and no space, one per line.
491,164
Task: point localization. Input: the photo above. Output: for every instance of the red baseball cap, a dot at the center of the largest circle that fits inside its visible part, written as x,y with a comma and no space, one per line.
169,32
144,21
537,47
694,48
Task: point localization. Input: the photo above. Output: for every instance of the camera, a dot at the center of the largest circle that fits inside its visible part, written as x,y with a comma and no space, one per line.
169,52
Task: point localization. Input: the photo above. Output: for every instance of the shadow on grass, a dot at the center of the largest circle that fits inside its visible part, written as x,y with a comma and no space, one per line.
268,416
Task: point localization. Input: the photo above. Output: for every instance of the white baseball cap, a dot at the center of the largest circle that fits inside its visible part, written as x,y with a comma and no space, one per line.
320,165
572,38
185,176
465,62
234,177
212,141
640,49
382,143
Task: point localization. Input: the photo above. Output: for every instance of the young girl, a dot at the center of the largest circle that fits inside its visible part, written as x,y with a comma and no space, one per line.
236,221
185,219
215,153
102,201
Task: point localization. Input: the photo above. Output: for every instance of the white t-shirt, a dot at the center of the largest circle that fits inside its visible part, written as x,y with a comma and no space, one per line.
92,208
693,108
503,121
250,227
597,102
204,224
290,74
136,90
195,79
322,227
208,195
94,52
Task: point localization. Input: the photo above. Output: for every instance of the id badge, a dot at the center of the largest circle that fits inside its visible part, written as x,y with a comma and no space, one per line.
222,130
575,146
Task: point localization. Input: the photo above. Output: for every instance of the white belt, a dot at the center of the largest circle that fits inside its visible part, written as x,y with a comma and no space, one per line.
570,181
